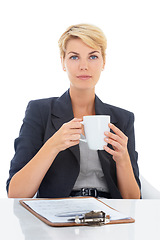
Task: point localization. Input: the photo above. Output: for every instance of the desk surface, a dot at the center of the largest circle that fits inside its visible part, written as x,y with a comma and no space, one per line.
18,223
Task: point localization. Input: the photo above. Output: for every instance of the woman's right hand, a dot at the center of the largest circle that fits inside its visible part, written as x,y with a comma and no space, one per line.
26,182
68,135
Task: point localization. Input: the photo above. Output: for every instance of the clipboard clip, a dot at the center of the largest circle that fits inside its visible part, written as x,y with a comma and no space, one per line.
95,218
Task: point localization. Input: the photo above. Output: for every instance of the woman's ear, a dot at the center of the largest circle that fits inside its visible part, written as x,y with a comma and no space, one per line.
63,64
103,66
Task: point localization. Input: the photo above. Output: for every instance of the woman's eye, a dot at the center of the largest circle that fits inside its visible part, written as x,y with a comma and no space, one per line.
93,57
74,57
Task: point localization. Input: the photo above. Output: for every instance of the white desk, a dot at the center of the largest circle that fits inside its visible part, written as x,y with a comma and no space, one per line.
16,223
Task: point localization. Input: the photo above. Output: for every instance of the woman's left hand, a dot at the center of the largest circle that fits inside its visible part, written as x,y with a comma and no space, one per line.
119,142
127,184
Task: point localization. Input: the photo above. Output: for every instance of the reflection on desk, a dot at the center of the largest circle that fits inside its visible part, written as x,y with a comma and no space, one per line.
17,223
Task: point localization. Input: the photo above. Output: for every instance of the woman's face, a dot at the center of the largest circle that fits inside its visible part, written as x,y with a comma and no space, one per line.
83,64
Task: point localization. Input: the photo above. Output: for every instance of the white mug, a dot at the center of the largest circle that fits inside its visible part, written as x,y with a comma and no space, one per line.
94,128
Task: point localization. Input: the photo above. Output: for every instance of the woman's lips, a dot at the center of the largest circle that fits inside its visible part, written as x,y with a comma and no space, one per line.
84,77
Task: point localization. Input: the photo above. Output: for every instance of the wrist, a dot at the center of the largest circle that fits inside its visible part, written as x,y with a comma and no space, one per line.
124,163
52,147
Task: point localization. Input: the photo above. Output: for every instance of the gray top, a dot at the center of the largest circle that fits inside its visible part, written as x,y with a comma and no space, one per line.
91,174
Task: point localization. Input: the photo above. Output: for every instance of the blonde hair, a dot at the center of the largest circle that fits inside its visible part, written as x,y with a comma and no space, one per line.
89,34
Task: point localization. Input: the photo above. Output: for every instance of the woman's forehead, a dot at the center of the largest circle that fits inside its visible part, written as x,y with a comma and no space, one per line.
77,45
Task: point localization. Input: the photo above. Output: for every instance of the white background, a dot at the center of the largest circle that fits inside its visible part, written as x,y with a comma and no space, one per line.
30,66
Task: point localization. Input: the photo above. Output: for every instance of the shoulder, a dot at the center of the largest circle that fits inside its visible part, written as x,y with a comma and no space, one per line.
117,114
105,108
44,102
39,109
42,105
117,111
123,118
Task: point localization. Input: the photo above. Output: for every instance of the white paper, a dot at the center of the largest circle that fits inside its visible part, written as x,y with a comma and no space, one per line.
63,210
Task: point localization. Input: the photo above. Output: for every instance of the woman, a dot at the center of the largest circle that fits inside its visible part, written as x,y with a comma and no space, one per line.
49,158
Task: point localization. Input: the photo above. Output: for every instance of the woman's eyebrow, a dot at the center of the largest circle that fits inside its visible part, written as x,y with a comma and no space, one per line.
94,52
73,53
76,53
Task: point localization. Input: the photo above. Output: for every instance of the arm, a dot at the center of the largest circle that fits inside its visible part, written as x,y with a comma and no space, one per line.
126,180
26,180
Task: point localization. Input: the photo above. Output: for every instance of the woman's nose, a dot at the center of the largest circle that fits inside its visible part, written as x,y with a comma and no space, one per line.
83,65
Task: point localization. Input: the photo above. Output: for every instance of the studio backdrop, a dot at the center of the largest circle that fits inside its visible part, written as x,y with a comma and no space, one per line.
30,66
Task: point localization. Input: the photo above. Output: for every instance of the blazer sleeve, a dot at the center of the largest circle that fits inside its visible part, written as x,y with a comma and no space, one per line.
130,133
30,139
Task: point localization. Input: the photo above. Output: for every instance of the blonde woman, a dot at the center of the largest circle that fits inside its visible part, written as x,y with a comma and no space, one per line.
50,160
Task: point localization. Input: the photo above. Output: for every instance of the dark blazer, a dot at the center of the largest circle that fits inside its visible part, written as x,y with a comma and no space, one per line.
42,119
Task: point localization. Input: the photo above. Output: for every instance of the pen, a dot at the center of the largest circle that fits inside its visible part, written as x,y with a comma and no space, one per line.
71,214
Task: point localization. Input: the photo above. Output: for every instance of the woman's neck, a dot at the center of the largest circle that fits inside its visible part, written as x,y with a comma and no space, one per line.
83,102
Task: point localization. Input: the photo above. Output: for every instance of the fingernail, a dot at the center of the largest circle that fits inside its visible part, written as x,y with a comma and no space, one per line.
105,147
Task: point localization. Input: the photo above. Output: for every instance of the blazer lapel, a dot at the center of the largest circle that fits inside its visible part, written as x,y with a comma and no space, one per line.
62,112
104,109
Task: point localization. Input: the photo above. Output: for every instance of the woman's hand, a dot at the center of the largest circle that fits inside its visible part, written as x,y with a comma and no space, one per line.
26,182
119,142
68,135
127,184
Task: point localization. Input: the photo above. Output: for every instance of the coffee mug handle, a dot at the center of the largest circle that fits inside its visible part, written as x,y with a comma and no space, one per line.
83,140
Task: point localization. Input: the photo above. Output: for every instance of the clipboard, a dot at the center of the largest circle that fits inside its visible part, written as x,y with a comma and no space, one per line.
96,217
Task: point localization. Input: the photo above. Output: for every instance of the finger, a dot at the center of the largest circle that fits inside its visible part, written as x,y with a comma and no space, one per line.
113,137
116,130
70,143
110,151
76,123
73,125
73,143
76,120
75,131
116,145
75,137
